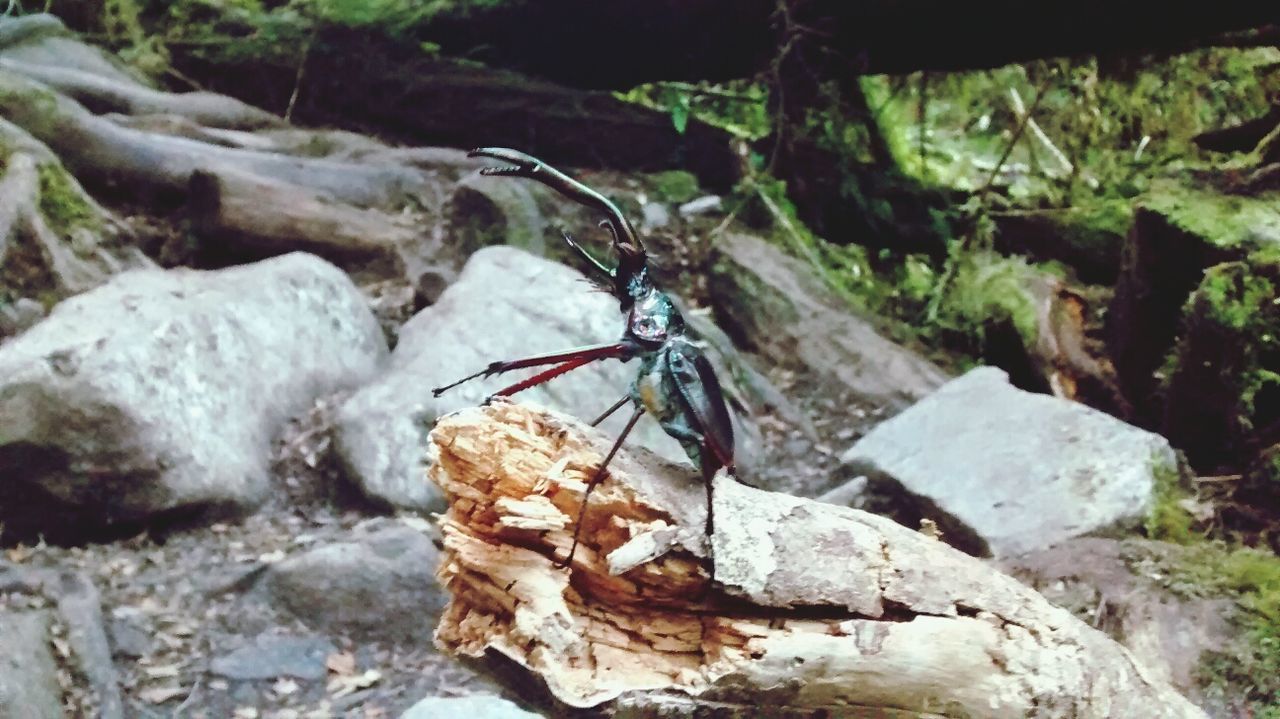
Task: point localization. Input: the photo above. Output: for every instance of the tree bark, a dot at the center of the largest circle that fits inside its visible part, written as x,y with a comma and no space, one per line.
817,609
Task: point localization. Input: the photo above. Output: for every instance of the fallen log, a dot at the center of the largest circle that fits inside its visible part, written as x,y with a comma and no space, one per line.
817,609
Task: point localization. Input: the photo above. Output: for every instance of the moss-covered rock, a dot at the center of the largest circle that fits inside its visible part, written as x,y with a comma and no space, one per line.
1179,231
1089,238
674,186
1223,387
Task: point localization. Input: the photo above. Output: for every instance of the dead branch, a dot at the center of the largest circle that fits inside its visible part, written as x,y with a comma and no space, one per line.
818,607
107,95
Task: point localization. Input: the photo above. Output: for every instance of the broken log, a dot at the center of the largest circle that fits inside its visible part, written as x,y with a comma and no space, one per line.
817,609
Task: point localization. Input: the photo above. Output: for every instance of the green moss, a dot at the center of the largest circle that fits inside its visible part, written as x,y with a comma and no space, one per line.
1222,380
988,287
1224,221
674,186
1167,520
1252,578
62,206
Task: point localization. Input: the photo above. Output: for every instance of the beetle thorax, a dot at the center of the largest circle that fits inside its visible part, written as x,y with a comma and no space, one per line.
653,318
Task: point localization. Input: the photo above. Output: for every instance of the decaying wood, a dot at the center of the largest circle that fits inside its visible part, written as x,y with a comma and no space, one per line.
818,608
107,95
275,217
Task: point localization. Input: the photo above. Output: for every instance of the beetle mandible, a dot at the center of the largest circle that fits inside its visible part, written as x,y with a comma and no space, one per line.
676,383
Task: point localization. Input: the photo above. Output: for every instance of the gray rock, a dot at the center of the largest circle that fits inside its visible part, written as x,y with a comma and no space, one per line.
273,655
702,206
785,313
19,316
654,216
486,211
379,585
1120,587
1003,471
79,615
162,391
28,675
506,304
478,706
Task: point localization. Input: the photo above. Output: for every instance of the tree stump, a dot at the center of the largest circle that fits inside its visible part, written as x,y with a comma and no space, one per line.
817,610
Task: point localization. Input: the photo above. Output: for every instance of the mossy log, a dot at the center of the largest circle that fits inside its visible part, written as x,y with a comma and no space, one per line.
817,610
1180,229
1089,239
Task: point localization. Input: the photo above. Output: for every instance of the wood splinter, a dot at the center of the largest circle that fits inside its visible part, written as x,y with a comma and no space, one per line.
816,608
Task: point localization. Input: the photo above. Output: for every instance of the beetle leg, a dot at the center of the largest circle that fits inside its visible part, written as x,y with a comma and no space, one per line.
595,479
617,406
587,354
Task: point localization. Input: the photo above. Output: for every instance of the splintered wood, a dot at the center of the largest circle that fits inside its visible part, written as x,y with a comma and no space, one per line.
816,608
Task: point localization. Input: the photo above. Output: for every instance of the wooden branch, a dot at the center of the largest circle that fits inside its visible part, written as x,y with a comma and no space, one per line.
104,94
818,607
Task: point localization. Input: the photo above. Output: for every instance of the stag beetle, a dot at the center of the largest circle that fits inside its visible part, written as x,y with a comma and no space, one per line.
676,383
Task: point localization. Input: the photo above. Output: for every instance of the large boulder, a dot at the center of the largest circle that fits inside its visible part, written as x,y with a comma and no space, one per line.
160,392
506,304
1003,471
780,309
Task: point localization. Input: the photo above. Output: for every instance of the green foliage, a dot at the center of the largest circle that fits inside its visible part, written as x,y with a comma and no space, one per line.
737,106
122,21
674,186
1118,126
1252,577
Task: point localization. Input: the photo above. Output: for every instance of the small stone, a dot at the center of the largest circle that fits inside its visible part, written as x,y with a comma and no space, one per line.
379,585
28,673
654,216
479,706
706,205
271,656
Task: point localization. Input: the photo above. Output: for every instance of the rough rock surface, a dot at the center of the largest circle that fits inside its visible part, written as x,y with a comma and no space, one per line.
1112,584
779,308
275,655
506,304
162,391
379,585
28,674
479,706
1003,471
